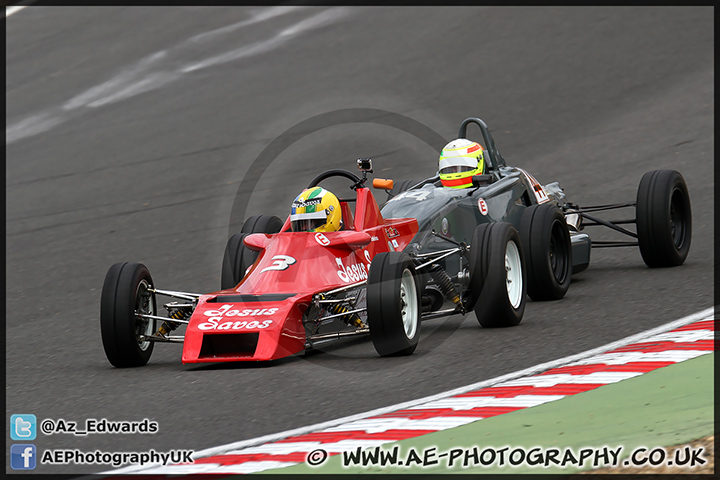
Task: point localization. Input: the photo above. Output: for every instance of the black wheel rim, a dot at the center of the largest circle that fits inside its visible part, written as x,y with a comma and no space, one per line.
677,218
558,253
144,304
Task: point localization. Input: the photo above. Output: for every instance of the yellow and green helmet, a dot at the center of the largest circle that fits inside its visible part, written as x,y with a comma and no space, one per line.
459,161
315,210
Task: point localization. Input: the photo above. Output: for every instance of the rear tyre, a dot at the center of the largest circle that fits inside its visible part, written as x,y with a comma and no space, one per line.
235,261
238,257
393,304
126,292
548,252
664,218
501,302
262,224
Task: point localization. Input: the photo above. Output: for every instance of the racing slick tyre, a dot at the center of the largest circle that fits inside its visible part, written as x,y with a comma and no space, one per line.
548,252
496,257
664,218
127,292
393,304
478,271
238,257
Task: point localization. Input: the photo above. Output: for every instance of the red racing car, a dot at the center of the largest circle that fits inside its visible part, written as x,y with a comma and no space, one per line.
282,291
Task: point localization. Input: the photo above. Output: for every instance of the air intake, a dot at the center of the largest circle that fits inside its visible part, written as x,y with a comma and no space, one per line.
229,345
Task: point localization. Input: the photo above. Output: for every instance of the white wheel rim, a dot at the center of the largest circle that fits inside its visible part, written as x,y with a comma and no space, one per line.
513,274
149,309
408,303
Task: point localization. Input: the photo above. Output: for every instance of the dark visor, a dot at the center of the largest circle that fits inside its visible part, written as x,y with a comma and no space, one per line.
307,225
460,169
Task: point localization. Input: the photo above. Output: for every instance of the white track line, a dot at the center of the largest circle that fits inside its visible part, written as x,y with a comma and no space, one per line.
409,404
160,69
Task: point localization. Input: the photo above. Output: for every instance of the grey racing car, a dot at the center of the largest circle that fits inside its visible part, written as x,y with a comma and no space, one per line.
483,248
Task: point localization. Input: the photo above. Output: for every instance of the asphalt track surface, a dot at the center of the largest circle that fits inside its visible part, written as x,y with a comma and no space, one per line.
129,131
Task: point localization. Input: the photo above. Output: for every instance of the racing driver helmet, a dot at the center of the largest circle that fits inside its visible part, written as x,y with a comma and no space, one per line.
315,210
459,161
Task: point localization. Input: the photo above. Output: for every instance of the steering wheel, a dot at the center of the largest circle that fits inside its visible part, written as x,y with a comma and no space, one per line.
357,182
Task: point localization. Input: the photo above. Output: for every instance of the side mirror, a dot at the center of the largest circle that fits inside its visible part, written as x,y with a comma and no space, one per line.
480,180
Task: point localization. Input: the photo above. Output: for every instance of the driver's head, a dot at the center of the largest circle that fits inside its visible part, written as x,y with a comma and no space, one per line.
315,210
459,161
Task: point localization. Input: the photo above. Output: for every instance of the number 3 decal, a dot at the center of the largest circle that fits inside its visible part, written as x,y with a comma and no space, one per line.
280,262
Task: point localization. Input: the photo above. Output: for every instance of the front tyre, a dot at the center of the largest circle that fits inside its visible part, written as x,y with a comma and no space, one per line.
125,294
478,263
393,304
548,252
664,218
499,260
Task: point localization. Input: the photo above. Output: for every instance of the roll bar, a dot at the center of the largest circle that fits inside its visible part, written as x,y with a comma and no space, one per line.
496,160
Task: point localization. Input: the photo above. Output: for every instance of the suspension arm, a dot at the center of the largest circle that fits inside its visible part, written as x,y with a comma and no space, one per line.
608,224
165,319
184,295
608,244
439,257
597,208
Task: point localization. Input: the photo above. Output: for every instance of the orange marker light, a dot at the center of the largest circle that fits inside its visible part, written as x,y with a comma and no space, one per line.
383,183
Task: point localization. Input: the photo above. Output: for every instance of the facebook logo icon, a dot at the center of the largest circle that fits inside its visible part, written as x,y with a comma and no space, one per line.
22,457
23,427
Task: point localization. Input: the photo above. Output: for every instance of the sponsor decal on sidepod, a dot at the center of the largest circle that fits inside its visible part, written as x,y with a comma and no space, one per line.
352,273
